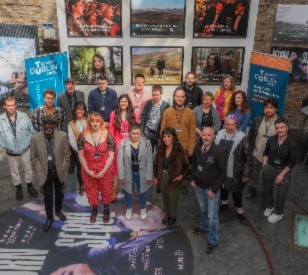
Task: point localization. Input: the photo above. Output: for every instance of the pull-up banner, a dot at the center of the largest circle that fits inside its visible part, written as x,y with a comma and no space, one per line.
268,78
43,72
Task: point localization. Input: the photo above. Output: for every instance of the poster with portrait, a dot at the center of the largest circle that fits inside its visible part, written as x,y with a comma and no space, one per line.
158,18
87,63
93,18
291,23
13,82
221,18
159,65
211,65
299,61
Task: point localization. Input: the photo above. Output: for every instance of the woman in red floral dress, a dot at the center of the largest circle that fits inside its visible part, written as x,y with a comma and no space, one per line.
96,152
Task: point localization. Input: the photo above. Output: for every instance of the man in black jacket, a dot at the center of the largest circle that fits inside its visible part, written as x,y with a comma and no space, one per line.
152,114
208,172
193,92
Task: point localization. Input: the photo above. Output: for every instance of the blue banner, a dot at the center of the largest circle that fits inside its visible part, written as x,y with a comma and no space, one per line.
43,72
266,82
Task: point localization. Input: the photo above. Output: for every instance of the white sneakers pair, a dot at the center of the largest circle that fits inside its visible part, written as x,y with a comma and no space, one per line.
129,214
272,218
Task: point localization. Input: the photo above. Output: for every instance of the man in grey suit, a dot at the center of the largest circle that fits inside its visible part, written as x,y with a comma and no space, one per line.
50,155
67,101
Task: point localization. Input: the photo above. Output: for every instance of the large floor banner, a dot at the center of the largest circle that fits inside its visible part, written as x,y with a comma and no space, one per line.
13,82
268,78
43,72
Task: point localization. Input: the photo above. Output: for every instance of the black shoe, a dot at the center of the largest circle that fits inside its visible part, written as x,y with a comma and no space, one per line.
223,207
171,222
199,231
251,192
31,190
210,248
47,225
165,220
61,216
242,219
19,195
106,215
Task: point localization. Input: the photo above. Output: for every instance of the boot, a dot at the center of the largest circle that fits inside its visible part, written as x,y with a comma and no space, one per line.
31,190
19,195
106,213
93,214
251,193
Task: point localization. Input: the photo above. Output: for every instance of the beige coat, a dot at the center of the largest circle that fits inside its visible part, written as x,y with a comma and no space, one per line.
38,155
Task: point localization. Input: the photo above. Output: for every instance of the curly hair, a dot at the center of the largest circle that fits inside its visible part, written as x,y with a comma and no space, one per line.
175,140
129,112
245,105
232,87
79,105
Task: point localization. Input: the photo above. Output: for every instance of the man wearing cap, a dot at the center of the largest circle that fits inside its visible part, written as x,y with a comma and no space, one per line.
67,101
48,108
15,133
50,156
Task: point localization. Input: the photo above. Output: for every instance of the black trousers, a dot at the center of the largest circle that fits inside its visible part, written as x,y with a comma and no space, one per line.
53,182
74,157
237,197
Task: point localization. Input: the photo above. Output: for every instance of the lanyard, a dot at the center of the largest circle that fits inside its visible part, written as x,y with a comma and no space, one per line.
153,115
13,124
179,120
77,125
124,125
135,152
267,127
136,97
224,98
228,142
96,145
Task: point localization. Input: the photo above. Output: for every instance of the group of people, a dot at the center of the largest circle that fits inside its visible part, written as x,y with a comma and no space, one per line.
137,140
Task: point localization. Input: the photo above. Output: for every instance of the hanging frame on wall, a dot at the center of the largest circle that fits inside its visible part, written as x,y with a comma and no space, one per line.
159,65
211,64
87,63
94,19
158,18
219,19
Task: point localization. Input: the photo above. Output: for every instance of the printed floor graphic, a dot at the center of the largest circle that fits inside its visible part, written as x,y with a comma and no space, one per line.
119,247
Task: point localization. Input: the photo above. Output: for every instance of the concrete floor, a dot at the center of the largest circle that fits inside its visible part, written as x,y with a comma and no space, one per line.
260,248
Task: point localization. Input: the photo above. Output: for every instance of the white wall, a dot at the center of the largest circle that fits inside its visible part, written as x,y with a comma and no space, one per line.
188,42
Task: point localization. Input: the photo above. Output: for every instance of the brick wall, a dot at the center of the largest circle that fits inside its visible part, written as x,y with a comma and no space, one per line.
296,92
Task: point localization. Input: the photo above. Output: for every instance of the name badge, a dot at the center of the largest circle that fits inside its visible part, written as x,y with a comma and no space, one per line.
199,168
103,108
189,104
136,107
179,129
96,155
266,137
49,157
153,121
124,132
277,162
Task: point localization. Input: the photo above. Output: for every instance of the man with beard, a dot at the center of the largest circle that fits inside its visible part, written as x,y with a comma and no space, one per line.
51,168
193,93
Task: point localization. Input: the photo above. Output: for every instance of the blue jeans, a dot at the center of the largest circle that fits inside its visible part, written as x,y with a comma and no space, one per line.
209,213
129,197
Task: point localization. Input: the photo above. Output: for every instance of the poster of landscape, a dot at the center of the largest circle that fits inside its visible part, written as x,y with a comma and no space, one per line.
159,18
291,23
159,65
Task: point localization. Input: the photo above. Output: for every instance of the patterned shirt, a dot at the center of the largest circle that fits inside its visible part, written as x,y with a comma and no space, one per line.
38,114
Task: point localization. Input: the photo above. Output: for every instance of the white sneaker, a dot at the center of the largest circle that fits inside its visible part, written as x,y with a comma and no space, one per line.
268,212
143,214
128,214
274,218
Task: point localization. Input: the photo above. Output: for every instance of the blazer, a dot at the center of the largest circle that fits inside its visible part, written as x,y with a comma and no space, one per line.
145,158
38,155
64,104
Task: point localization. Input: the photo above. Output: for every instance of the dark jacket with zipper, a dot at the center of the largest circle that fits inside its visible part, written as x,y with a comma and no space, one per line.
195,95
214,168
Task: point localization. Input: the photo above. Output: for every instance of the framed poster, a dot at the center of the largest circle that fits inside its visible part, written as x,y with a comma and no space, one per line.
299,61
158,18
210,64
221,18
87,63
94,18
291,23
159,65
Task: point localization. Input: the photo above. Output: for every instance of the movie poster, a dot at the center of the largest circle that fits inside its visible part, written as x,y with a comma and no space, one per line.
291,23
299,61
77,246
158,18
221,18
93,18
211,65
88,63
159,65
13,81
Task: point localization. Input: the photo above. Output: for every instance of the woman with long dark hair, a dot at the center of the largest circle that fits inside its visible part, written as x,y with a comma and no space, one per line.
120,120
212,69
170,168
239,105
76,127
99,69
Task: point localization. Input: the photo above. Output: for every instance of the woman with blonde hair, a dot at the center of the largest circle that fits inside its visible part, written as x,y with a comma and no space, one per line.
96,152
